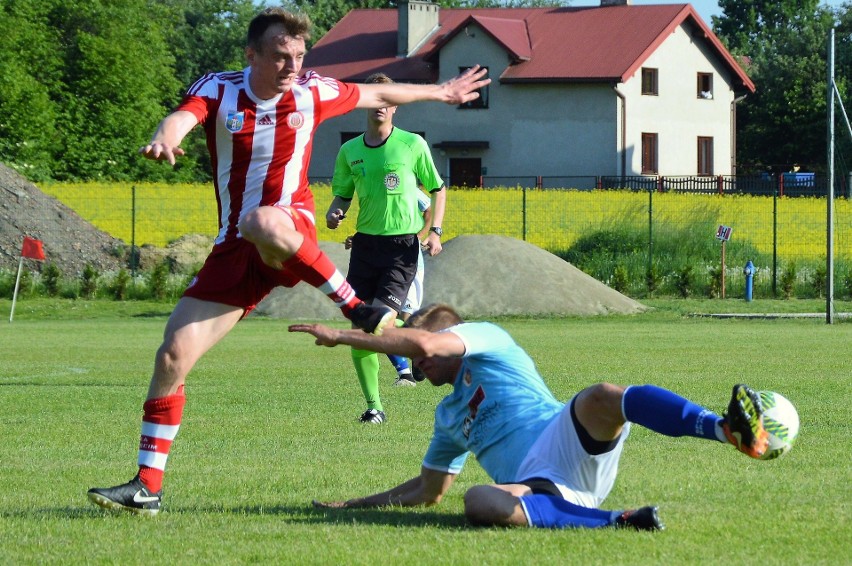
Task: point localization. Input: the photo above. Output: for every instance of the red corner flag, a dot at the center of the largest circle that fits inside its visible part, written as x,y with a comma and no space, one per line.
32,249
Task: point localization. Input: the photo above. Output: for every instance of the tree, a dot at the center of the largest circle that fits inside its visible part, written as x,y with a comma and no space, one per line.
28,71
746,24
116,78
784,44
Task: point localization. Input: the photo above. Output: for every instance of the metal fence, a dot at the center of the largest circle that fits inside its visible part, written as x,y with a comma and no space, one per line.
642,223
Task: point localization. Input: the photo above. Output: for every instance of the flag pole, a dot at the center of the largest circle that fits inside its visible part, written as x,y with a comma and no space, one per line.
17,283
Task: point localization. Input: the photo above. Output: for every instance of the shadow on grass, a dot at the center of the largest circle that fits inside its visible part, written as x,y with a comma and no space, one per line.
153,314
394,517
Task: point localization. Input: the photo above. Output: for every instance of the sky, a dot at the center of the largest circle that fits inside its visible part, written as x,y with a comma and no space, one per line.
705,8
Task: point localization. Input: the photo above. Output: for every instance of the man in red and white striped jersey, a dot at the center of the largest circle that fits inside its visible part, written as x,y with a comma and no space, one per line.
259,124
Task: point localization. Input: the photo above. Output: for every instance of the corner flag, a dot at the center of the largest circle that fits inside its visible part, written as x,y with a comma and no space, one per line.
32,249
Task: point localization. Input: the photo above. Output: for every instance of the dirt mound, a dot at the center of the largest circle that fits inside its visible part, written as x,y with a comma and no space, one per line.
69,241
185,255
481,276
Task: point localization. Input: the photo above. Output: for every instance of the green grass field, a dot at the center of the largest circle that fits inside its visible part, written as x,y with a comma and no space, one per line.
270,424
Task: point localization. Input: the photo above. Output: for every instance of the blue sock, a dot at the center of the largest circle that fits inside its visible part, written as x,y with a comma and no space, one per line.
668,413
552,512
400,363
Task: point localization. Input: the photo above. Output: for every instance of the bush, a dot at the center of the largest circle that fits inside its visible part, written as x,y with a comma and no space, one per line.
788,280
119,287
158,280
714,289
652,279
89,282
684,281
819,279
619,279
51,278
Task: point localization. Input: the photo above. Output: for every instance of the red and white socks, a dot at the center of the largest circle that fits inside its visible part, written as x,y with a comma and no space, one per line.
160,424
313,267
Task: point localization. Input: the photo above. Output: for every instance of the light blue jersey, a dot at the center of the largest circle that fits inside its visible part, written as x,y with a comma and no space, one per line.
498,408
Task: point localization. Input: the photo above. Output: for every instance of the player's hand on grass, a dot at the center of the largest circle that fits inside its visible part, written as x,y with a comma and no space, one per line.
329,504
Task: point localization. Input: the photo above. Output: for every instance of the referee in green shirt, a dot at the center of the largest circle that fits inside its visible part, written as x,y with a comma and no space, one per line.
385,167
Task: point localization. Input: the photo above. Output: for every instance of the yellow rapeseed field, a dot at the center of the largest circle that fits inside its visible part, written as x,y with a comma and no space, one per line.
554,218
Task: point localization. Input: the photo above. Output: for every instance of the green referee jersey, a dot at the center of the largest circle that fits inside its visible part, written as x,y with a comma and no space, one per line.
386,181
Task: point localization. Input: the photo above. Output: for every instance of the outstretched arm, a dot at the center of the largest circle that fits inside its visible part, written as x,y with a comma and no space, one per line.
164,146
458,90
426,489
408,342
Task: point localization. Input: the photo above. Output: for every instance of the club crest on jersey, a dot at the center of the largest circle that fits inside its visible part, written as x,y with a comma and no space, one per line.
295,120
391,181
235,121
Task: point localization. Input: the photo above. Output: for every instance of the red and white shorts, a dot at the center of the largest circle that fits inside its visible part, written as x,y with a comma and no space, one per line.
234,274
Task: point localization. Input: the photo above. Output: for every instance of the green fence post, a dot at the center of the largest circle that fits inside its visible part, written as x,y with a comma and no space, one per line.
650,230
775,242
524,213
133,260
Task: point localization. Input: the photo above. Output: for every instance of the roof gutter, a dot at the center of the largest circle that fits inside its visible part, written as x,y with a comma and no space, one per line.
623,149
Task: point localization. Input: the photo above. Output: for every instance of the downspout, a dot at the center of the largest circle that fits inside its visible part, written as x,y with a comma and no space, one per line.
623,148
734,103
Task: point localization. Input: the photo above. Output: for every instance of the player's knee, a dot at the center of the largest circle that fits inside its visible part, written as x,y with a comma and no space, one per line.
481,508
254,225
601,398
173,359
474,508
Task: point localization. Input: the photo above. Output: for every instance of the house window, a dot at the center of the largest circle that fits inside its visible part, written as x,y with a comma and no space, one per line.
705,86
482,101
705,156
649,81
649,154
466,172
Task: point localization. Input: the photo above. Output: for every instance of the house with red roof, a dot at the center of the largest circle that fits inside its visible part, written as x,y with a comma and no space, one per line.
609,90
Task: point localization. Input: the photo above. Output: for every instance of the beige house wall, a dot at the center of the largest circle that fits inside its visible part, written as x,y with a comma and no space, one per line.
566,129
677,115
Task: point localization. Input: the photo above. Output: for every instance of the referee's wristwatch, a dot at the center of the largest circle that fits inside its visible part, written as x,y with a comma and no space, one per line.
438,230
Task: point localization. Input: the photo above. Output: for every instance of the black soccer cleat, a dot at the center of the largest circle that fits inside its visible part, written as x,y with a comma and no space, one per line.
132,496
405,380
642,519
743,422
371,319
373,416
417,374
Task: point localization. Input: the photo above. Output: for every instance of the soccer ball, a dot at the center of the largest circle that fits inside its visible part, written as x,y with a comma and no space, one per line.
781,421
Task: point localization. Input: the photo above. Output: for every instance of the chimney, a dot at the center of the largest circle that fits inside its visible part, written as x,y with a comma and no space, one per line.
417,20
615,3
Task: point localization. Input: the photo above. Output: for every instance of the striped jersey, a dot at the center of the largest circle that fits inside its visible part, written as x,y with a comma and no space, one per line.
260,149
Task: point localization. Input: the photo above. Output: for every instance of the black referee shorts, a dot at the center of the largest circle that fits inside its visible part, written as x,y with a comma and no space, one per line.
383,267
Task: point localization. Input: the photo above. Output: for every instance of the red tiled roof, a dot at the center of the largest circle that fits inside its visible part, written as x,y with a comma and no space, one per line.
512,34
544,44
